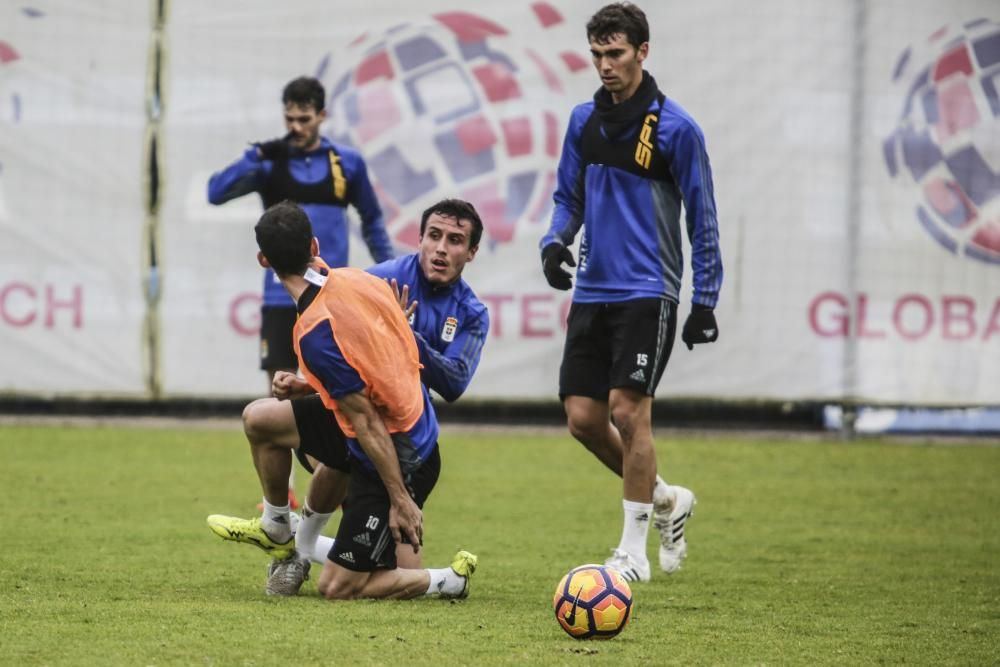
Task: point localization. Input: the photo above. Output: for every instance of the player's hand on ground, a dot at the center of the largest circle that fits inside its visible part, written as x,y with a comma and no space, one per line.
553,257
700,327
403,297
287,385
406,520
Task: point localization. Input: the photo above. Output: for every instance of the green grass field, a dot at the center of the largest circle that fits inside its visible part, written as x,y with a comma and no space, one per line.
801,552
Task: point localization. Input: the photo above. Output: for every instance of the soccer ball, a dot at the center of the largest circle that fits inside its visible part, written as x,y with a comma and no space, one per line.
592,602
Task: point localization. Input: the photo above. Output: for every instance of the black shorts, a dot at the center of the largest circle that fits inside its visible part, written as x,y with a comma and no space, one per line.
622,345
364,542
277,352
319,434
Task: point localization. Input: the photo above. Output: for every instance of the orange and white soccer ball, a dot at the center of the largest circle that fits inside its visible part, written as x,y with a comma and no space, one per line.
593,602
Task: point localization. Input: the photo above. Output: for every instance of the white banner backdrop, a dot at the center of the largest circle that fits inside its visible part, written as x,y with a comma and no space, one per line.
72,122
854,148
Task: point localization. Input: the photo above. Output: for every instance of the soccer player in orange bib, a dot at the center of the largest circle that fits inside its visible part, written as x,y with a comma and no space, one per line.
358,353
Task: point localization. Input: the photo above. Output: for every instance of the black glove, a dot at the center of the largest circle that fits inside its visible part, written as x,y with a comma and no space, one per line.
275,149
700,326
553,255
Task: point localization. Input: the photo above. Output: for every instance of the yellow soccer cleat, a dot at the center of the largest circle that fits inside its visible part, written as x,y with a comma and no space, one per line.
464,564
250,531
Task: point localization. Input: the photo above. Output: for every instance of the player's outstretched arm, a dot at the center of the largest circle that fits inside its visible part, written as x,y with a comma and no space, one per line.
240,178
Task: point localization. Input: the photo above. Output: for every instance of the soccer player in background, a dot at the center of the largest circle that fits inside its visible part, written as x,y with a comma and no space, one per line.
450,326
631,157
323,178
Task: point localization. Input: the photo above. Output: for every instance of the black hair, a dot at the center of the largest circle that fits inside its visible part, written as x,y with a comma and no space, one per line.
620,18
284,236
460,210
304,91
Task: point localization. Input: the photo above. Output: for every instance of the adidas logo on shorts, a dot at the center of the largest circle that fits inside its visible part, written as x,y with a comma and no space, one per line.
347,557
638,376
363,540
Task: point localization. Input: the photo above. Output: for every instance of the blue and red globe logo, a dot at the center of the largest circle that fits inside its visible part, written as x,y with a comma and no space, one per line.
457,106
946,145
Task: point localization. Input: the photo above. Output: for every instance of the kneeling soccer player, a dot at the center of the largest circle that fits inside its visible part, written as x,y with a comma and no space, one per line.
359,355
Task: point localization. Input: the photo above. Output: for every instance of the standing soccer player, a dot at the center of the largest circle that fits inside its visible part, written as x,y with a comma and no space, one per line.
631,157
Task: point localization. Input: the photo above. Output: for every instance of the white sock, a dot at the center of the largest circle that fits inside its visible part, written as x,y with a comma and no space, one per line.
662,493
444,580
276,522
637,516
308,533
321,550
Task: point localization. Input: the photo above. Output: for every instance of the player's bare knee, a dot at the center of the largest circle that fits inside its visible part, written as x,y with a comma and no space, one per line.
577,429
582,424
340,589
260,422
584,429
328,591
627,420
338,583
252,418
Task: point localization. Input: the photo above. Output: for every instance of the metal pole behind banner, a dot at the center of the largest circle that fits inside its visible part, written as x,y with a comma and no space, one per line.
854,249
153,195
